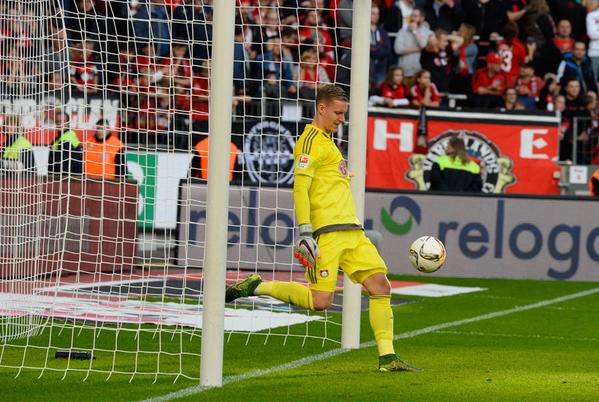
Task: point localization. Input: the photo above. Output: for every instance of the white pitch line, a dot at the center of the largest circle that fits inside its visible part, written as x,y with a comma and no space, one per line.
334,352
531,336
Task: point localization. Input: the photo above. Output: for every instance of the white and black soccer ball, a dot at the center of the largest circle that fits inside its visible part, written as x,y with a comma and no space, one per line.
427,254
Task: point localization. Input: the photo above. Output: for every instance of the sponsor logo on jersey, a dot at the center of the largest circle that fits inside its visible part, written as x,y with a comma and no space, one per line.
303,162
324,273
343,168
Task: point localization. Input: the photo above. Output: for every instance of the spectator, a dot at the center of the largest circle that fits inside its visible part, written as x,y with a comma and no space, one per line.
271,63
455,171
198,168
573,96
435,58
424,93
241,71
593,32
393,12
84,73
315,31
192,22
549,92
464,61
587,127
487,16
380,48
410,42
392,92
310,75
563,39
537,26
528,86
344,23
104,154
512,53
151,24
17,154
577,65
572,11
510,100
488,83
177,67
444,14
66,152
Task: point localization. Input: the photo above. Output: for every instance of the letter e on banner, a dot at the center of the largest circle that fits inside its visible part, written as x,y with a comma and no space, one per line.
382,135
530,142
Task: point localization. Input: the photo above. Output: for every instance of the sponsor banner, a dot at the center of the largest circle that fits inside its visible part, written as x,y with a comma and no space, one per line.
485,236
517,153
66,226
430,289
114,309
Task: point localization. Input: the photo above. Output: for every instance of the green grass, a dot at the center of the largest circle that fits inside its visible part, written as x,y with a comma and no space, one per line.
549,353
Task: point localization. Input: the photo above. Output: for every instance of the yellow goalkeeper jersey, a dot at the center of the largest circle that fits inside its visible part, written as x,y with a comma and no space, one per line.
331,202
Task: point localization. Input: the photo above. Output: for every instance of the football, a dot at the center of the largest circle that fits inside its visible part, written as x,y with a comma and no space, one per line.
427,254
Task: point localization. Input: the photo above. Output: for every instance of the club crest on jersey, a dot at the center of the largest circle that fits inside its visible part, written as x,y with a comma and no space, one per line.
303,162
324,273
343,168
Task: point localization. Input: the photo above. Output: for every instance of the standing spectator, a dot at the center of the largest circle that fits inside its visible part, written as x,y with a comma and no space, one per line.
528,86
192,22
488,83
563,39
587,128
410,42
464,61
392,92
487,16
151,24
17,153
537,26
512,53
593,32
574,109
572,11
577,65
455,171
241,71
510,100
380,48
315,31
66,151
310,75
84,73
424,93
272,62
104,154
573,95
444,14
435,58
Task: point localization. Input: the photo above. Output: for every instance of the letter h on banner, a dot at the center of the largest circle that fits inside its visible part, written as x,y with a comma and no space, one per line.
405,135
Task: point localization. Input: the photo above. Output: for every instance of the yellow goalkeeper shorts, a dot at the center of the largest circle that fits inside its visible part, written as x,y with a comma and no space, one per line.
349,250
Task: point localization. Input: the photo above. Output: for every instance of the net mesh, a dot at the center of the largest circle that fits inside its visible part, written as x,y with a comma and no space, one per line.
104,165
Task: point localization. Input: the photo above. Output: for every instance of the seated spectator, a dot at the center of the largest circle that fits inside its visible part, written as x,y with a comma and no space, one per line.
512,53
549,92
528,86
17,152
380,48
577,65
464,61
563,40
424,93
104,154
410,42
310,75
455,171
177,67
435,58
444,14
66,152
392,92
510,100
488,83
272,62
593,32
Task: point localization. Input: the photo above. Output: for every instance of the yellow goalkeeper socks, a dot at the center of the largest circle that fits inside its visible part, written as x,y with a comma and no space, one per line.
381,321
289,292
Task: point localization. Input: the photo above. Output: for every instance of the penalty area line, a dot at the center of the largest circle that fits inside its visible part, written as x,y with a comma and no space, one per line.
335,352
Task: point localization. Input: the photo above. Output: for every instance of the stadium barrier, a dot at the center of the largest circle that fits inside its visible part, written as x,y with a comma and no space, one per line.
67,226
487,236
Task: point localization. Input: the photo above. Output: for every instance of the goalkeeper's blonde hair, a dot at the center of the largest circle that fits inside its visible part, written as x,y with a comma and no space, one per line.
328,92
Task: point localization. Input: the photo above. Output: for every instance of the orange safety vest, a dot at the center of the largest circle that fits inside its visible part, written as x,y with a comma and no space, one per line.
100,157
596,176
202,149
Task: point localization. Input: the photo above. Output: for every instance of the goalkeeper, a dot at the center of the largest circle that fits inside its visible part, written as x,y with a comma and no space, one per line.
330,234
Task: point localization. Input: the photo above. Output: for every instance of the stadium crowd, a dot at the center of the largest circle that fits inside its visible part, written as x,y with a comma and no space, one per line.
498,54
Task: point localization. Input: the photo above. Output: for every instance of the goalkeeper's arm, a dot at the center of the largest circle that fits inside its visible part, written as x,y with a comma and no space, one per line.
306,250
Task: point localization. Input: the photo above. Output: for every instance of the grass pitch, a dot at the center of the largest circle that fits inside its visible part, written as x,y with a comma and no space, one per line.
546,353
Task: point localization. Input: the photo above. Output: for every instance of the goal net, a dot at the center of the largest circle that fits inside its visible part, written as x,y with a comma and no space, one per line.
104,145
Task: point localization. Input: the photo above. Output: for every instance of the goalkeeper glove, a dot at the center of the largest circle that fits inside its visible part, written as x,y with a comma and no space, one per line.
306,251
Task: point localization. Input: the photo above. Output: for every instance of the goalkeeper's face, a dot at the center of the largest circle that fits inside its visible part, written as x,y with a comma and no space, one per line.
332,114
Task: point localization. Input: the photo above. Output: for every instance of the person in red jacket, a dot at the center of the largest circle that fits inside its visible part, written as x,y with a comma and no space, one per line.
392,92
488,83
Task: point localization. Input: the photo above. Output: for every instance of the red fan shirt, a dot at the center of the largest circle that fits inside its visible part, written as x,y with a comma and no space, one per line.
534,85
482,79
512,56
394,91
417,93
